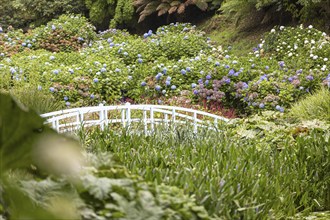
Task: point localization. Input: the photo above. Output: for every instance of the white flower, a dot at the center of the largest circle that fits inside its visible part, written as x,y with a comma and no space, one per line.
325,59
310,26
324,67
281,28
312,41
272,31
306,42
290,54
315,57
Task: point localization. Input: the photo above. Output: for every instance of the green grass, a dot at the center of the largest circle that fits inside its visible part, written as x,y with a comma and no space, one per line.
314,106
226,34
36,100
231,178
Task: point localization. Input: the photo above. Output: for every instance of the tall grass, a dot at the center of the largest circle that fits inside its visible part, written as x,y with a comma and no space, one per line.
32,98
314,106
230,177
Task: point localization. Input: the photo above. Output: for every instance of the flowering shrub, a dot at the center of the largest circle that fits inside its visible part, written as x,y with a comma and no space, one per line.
114,66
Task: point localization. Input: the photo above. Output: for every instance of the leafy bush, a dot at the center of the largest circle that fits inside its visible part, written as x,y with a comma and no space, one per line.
269,174
90,187
115,66
23,13
117,12
314,106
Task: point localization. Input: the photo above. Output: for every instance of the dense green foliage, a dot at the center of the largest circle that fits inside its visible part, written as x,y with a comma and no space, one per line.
239,173
64,184
317,12
265,166
119,12
114,66
314,106
23,13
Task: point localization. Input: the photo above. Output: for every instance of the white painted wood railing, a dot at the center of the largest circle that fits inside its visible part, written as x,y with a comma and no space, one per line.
147,115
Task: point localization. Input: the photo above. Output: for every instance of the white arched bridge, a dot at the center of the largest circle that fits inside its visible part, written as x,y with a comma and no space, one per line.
126,115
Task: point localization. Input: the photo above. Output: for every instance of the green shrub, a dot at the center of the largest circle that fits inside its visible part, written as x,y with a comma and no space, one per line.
313,106
25,13
271,174
45,176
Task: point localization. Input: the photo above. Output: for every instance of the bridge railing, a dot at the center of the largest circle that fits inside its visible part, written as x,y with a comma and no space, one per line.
147,115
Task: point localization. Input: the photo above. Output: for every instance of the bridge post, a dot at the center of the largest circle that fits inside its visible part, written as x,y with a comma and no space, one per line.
152,118
101,117
128,114
195,122
145,125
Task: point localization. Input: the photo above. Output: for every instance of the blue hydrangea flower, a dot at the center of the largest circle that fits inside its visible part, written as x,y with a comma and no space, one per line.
139,56
80,39
68,104
140,60
96,80
253,65
231,72
145,35
227,81
245,85
208,77
71,71
12,70
56,72
117,70
227,66
195,92
53,27
39,87
143,84
264,77
52,89
163,91
109,40
173,87
188,69
66,98
24,44
217,63
168,78
193,85
125,54
52,58
164,70
267,67
207,82
309,77
183,72
168,83
158,88
92,96
261,105
29,45
111,44
103,69
200,81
